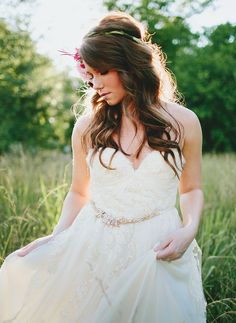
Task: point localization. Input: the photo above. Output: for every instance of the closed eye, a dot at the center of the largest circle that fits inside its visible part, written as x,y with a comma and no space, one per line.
90,75
104,72
90,84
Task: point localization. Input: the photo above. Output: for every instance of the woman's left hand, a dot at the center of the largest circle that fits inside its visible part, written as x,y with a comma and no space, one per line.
175,244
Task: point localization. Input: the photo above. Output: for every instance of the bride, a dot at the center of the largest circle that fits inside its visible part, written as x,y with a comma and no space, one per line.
120,252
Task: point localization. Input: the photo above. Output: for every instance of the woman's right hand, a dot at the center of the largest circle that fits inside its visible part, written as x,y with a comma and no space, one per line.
33,245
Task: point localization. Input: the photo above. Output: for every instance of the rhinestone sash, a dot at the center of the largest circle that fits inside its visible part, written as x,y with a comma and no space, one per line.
109,220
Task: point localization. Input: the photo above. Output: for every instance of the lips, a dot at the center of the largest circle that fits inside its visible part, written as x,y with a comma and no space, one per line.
104,94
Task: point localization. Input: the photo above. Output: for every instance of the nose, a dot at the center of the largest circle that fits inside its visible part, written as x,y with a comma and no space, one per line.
97,83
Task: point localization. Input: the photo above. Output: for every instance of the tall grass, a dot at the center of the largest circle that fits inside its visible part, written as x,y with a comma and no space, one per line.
33,187
217,236
32,190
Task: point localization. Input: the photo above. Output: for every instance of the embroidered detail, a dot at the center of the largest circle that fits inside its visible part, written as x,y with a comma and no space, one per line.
154,183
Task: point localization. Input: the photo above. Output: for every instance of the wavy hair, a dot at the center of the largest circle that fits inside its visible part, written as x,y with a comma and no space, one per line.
147,82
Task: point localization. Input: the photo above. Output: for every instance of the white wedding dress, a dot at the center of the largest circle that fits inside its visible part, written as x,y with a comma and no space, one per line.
93,272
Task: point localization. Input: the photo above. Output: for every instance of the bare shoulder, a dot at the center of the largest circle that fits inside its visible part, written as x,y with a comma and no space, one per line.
80,126
80,170
184,115
82,123
187,118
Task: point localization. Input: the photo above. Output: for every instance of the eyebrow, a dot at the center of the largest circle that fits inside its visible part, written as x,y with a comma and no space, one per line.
90,72
95,70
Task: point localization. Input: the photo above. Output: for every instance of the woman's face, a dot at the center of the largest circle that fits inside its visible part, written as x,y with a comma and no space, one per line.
107,84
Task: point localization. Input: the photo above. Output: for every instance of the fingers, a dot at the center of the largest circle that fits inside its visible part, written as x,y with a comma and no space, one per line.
164,254
24,251
33,245
162,245
168,254
163,250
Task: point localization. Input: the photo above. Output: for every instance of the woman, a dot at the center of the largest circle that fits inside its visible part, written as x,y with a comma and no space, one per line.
120,252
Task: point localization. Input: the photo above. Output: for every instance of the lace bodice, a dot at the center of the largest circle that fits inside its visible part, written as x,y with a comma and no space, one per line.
133,192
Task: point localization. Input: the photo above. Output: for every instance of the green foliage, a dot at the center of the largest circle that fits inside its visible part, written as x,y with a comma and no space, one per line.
35,100
34,106
32,190
183,8
217,236
207,77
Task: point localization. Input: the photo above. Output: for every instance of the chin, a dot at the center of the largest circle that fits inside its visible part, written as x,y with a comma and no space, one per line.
111,103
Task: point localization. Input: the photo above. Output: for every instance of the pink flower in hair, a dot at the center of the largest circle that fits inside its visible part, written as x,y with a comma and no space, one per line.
80,64
77,56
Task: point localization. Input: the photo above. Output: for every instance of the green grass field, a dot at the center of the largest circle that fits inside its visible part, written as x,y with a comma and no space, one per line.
32,190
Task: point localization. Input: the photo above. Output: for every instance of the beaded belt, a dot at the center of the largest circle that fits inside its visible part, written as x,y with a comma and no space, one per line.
116,222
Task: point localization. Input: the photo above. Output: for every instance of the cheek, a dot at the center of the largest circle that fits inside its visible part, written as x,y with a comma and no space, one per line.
116,83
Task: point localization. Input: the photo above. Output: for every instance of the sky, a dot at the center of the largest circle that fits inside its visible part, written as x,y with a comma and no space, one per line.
62,24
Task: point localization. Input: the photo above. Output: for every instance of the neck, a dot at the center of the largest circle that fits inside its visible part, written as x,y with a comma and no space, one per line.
129,114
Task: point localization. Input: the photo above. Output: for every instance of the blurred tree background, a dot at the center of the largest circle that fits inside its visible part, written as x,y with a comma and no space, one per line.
35,99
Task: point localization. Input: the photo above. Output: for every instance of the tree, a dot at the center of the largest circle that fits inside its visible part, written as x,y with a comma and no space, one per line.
207,76
31,94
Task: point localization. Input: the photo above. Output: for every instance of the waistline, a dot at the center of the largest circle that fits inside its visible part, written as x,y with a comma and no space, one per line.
110,220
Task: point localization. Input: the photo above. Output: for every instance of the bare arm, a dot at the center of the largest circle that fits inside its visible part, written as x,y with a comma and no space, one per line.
191,195
78,194
190,188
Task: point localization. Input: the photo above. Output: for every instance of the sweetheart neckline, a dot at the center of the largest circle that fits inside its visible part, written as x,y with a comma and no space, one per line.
130,162
142,161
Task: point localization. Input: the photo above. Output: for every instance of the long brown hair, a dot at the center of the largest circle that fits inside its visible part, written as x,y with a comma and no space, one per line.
146,80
